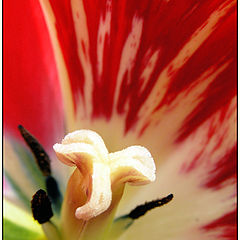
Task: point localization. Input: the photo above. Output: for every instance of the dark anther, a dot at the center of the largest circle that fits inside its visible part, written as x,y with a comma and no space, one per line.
41,156
41,207
142,209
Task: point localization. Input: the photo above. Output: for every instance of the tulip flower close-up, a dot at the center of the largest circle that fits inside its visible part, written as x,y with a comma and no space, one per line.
120,119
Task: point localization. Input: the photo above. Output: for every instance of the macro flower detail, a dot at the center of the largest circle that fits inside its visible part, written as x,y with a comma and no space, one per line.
153,73
102,170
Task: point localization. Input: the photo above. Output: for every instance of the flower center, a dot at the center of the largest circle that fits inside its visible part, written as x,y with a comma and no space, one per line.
94,189
100,176
101,170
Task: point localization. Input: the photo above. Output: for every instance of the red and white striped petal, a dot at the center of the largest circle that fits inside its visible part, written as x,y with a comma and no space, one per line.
201,174
163,67
162,73
139,60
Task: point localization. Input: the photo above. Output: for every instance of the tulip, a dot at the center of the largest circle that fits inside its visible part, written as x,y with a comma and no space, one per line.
109,94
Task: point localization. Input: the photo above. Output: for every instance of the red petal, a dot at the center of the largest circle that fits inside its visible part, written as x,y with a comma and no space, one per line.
32,94
227,222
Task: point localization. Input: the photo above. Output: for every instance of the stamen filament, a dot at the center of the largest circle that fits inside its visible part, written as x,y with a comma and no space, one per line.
51,231
54,194
124,222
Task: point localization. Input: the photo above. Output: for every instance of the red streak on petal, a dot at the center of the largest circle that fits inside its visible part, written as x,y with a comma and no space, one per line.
167,27
223,88
228,223
104,85
220,47
31,95
225,169
221,170
68,42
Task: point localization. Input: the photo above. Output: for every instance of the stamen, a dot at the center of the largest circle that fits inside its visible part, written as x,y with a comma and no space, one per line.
142,209
54,193
41,156
41,207
43,162
42,212
52,188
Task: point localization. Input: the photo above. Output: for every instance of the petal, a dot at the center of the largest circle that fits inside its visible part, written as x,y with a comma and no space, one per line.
201,173
32,95
123,66
189,81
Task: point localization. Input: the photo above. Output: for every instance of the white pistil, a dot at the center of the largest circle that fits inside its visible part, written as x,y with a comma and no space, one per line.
103,170
101,195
